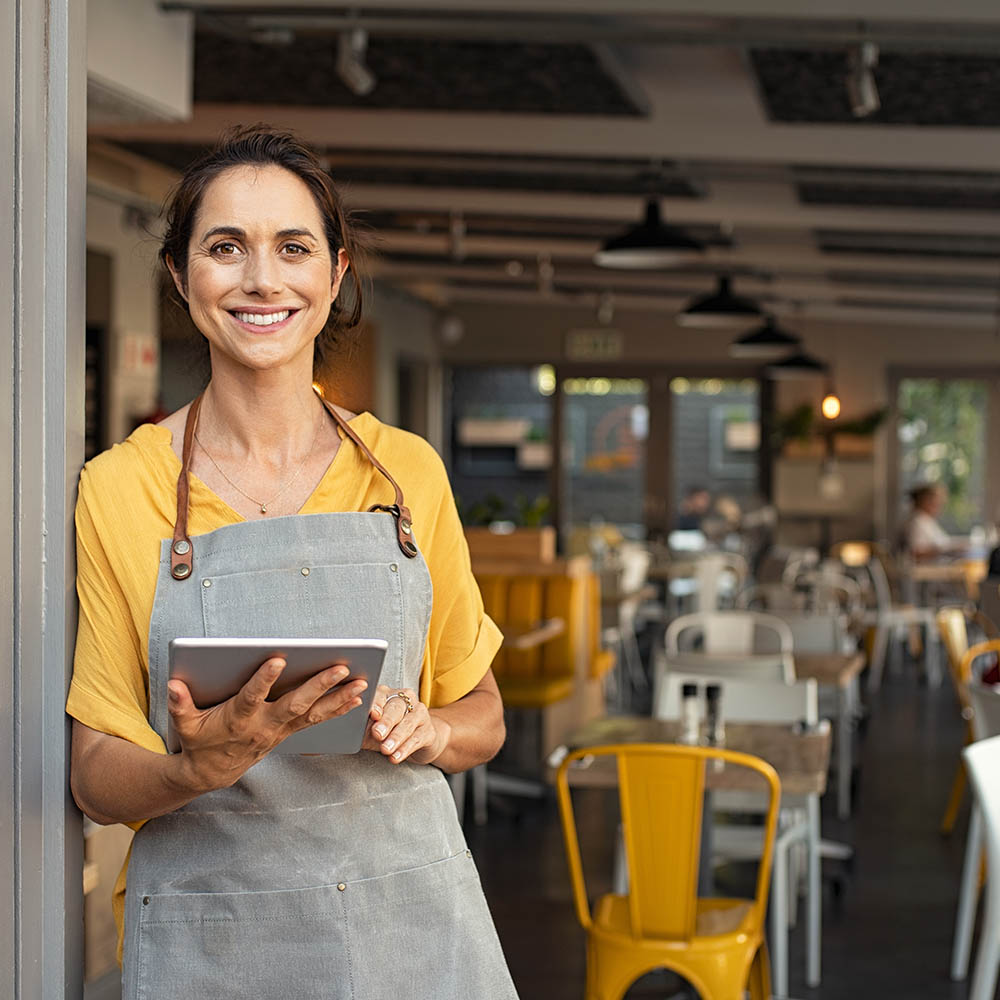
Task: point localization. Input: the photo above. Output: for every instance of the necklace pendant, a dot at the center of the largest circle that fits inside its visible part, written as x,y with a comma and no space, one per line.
263,508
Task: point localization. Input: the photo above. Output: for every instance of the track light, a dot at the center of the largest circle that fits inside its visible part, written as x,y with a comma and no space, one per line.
352,47
650,244
862,90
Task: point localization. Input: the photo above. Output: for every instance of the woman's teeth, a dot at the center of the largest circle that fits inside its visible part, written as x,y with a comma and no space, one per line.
263,319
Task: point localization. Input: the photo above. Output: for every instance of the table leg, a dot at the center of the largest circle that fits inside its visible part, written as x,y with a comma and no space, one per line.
845,756
706,877
814,898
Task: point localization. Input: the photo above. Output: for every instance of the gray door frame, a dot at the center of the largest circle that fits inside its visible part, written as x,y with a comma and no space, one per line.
42,256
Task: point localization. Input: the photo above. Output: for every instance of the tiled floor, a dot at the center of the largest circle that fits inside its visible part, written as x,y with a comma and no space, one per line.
887,922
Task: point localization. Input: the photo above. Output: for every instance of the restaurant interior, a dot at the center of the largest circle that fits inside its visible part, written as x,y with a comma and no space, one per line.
700,304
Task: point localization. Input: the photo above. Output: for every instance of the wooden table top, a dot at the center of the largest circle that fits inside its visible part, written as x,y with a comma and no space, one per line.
952,571
529,638
829,668
800,758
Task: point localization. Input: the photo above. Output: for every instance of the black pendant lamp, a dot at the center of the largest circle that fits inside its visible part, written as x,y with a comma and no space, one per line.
720,309
650,244
799,365
765,342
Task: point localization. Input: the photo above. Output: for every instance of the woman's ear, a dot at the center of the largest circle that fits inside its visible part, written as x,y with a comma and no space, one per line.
177,276
342,267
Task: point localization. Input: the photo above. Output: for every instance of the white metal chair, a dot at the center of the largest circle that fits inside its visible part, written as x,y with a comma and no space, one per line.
982,760
886,616
828,633
767,701
985,702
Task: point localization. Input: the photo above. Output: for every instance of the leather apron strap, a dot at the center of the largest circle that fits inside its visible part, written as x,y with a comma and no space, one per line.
182,548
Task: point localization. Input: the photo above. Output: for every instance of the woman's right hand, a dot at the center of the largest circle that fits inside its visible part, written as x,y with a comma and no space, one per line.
219,744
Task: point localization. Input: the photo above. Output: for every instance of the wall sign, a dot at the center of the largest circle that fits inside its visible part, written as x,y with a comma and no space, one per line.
595,345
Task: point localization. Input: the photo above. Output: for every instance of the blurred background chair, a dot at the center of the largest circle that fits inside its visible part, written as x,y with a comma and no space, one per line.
717,944
982,759
984,700
885,615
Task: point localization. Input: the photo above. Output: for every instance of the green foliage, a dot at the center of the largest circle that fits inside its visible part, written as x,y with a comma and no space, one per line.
526,513
942,435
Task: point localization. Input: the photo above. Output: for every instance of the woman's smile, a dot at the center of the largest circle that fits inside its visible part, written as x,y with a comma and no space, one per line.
258,320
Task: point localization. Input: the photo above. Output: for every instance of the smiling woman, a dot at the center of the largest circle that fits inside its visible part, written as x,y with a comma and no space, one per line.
256,872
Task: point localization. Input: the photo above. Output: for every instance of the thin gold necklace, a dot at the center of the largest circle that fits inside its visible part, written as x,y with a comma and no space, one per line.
263,504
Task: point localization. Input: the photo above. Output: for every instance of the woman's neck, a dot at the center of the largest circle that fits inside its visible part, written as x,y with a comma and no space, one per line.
270,416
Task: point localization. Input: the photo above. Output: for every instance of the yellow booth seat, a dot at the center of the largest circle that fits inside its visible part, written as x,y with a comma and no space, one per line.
545,674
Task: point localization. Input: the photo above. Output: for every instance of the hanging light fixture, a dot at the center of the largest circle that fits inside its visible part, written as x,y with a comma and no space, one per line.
650,244
799,365
765,342
720,309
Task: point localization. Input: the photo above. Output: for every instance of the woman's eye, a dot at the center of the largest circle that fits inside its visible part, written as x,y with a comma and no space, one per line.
296,249
225,249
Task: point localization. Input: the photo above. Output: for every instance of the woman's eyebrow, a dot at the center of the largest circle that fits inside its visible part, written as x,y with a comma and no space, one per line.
225,231
283,233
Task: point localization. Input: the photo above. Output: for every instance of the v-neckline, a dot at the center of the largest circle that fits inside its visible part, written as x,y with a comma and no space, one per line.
236,516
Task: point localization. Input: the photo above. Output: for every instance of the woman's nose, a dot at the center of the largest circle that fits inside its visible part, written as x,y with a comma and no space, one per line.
262,274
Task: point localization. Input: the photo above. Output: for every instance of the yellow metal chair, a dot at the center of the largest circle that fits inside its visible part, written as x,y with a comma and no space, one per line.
952,625
716,944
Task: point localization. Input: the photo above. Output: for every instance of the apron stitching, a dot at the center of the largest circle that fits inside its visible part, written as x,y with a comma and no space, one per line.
347,940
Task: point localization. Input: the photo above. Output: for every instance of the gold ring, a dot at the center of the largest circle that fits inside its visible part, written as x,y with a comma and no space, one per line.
405,697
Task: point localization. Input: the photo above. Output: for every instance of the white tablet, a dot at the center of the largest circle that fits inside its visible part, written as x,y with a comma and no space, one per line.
215,669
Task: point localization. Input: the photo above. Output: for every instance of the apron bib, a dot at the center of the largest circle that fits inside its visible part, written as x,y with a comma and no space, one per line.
340,877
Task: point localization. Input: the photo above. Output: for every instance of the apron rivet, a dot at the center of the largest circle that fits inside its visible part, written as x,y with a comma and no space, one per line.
206,583
468,854
305,570
405,525
394,567
145,900
181,570
341,886
182,547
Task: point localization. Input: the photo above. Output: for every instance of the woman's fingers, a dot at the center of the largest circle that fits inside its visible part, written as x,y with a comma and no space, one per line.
301,699
343,699
254,693
394,710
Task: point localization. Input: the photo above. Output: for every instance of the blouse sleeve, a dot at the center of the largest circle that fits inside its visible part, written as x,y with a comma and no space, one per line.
462,639
108,691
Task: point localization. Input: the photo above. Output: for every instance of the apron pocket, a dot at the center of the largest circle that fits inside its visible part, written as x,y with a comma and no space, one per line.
425,934
267,945
343,601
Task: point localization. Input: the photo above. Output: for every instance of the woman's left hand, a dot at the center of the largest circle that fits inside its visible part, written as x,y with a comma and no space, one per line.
401,727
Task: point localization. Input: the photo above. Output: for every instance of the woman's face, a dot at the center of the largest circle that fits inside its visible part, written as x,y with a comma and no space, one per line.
261,277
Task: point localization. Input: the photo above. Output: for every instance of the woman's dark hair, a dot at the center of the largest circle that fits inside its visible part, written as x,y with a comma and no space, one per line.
259,146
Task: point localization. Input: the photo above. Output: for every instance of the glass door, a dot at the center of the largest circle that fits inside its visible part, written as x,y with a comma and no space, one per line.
605,433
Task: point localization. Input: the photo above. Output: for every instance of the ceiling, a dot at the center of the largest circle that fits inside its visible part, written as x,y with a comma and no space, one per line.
499,148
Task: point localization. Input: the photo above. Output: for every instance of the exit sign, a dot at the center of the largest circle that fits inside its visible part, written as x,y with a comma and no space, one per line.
595,345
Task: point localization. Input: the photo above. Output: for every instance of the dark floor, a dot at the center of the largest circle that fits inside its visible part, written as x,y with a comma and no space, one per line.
888,920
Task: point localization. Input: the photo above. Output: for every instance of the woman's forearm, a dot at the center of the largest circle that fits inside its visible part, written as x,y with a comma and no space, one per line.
475,729
114,781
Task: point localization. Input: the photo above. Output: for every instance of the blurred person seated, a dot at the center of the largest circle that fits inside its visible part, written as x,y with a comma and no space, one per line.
922,537
695,505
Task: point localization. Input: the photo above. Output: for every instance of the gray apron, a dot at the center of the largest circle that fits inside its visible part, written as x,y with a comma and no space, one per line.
341,877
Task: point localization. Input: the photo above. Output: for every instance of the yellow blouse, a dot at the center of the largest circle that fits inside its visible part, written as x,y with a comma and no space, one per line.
126,506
